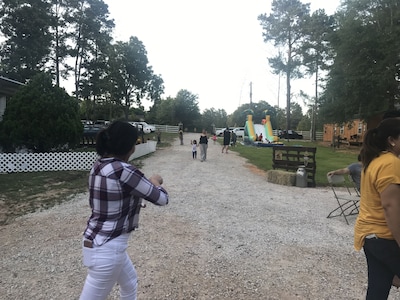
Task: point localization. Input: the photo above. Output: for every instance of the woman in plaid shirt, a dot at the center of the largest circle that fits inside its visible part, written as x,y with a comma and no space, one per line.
116,190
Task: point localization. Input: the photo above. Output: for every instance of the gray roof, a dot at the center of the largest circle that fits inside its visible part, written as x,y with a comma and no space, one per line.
8,86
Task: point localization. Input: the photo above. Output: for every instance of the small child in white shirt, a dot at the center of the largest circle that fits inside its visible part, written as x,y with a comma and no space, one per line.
194,149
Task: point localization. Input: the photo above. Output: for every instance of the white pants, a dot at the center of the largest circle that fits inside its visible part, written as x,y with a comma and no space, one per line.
109,264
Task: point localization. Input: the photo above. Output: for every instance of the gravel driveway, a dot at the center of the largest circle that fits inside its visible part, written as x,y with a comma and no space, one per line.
226,234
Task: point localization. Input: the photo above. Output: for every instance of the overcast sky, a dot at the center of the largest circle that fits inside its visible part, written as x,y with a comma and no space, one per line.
212,48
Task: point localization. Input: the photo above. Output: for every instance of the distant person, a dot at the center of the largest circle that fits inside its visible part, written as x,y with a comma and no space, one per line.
338,141
214,138
260,138
180,133
377,229
203,143
354,170
116,190
194,149
234,139
158,136
227,140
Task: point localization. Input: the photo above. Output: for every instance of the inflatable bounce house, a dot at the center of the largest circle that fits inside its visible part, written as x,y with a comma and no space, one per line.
260,134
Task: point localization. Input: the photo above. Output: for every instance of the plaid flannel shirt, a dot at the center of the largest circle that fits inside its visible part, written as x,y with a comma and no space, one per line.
116,190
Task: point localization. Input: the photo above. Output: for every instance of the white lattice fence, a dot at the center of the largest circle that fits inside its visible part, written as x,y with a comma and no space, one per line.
34,162
58,161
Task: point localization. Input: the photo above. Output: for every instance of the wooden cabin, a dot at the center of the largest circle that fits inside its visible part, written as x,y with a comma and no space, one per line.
351,133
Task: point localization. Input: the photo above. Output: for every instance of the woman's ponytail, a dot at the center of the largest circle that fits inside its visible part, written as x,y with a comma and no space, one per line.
376,140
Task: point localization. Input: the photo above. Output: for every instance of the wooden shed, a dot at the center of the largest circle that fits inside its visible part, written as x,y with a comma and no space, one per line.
351,133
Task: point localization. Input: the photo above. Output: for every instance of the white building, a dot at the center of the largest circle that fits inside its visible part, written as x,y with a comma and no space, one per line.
8,87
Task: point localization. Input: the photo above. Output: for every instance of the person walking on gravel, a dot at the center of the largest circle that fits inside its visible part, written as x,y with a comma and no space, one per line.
227,140
180,133
116,190
203,143
194,149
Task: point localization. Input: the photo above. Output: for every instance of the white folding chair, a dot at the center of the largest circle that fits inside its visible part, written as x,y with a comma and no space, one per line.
348,202
356,189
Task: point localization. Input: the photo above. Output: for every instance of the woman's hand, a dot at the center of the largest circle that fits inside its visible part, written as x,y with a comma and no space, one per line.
156,179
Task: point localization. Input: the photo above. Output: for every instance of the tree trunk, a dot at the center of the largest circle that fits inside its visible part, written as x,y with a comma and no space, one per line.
314,107
288,99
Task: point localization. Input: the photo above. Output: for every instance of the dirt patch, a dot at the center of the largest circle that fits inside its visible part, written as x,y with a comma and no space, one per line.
255,170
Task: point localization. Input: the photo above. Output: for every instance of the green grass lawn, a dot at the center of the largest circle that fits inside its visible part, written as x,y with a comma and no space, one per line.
327,158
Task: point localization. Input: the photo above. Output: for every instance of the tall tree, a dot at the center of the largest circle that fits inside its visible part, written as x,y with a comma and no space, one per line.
211,117
316,53
186,108
91,37
165,113
131,75
155,90
280,118
305,122
285,27
364,78
60,13
297,114
25,26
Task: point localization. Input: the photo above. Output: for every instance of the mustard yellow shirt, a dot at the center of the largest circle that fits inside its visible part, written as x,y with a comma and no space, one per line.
382,171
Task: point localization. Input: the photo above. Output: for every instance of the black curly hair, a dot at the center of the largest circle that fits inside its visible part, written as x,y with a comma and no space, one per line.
117,139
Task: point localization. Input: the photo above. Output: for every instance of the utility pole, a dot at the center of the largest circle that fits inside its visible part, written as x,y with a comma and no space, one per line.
251,95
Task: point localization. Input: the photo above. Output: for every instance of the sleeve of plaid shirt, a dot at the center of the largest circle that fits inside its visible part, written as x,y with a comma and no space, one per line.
140,186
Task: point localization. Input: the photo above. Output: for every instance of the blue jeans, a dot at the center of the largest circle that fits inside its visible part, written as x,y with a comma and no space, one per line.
383,260
109,264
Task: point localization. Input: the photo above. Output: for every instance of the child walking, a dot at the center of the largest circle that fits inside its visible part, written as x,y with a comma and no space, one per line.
214,138
194,149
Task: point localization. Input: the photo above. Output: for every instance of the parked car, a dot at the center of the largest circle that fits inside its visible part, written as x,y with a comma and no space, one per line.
141,127
103,123
146,127
90,131
219,132
290,134
86,122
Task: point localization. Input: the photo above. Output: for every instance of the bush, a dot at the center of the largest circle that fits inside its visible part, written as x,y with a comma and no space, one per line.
41,117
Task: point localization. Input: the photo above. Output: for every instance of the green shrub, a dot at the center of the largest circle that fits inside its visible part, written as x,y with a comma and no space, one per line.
41,117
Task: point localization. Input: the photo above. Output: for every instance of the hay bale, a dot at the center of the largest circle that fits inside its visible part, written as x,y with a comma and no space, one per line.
281,177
